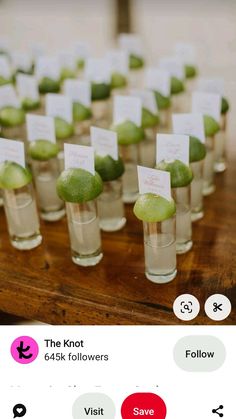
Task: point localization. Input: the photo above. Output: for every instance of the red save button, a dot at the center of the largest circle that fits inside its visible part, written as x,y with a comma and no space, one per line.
143,405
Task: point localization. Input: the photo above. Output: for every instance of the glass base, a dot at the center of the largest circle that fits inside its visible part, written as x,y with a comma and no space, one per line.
61,159
208,190
219,167
110,226
27,243
130,198
86,260
183,247
161,279
195,216
53,215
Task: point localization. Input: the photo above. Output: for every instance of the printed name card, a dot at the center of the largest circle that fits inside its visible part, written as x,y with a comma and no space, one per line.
67,59
132,43
186,52
189,124
59,106
215,85
98,70
104,142
207,104
154,181
174,66
118,61
172,147
47,67
21,61
12,151
79,156
8,97
148,99
40,128
78,91
127,108
5,68
27,87
157,79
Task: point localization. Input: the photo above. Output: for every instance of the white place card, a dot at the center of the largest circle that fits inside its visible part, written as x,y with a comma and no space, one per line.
82,50
189,124
214,85
59,106
127,108
132,43
5,44
98,70
67,59
186,52
47,67
154,181
78,91
174,66
79,156
27,87
104,142
148,99
40,128
8,97
172,147
5,68
21,60
157,79
118,61
12,151
207,104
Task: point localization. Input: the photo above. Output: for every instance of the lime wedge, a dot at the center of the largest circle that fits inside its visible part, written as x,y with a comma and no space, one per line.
100,91
211,126
48,85
190,71
149,119
11,117
153,208
224,105
13,175
63,129
135,62
180,174
108,168
128,133
81,112
80,64
177,86
118,80
78,185
4,81
43,150
67,73
197,149
163,102
29,104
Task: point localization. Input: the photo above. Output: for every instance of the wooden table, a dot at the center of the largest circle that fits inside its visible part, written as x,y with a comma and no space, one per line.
44,284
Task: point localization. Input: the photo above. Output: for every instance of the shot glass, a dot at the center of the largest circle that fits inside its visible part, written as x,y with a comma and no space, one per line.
148,148
84,231
197,190
101,110
131,158
181,197
208,168
22,217
45,176
160,250
165,119
111,207
220,146
82,132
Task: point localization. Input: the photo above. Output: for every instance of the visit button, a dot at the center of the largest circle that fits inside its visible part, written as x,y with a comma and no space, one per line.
199,353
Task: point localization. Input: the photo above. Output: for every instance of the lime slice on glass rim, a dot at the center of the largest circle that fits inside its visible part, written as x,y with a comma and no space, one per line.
197,150
135,62
181,175
63,129
43,150
190,71
48,85
4,81
13,175
108,168
67,73
81,112
100,91
177,86
29,104
128,133
118,80
153,208
11,117
211,126
149,119
224,105
78,185
163,102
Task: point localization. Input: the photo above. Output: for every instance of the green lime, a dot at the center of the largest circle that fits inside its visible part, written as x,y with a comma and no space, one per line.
118,80
29,104
63,129
190,71
67,73
135,62
78,185
4,81
100,91
149,119
180,174
29,72
197,150
211,126
81,112
43,150
80,63
153,208
224,105
177,86
163,102
128,133
11,117
108,168
48,85
13,175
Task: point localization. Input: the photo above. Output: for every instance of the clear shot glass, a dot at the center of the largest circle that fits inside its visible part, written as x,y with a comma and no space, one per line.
220,146
111,207
197,190
131,158
208,168
181,197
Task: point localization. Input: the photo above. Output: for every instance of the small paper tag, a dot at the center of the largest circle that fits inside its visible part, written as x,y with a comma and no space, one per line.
98,70
127,108
12,151
79,156
174,66
148,99
186,52
154,181
47,67
21,61
59,106
172,147
104,142
8,97
78,91
189,124
82,50
157,79
40,128
5,68
118,61
215,85
27,87
67,59
37,49
132,43
207,104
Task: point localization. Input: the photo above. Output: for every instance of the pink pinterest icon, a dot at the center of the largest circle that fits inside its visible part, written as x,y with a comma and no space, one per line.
24,350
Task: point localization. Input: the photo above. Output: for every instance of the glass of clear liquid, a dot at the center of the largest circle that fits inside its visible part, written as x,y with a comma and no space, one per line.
148,148
197,190
131,158
111,207
220,146
181,197
208,168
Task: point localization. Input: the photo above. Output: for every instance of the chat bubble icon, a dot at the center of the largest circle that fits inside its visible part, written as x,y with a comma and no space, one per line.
19,410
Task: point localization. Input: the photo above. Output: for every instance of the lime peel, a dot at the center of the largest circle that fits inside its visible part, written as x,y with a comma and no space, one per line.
211,126
181,175
128,133
153,208
108,168
63,129
197,150
11,117
177,86
100,91
13,175
81,112
163,102
78,185
149,119
43,150
135,62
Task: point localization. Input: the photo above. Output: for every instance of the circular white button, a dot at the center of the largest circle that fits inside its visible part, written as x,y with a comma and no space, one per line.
186,307
217,307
